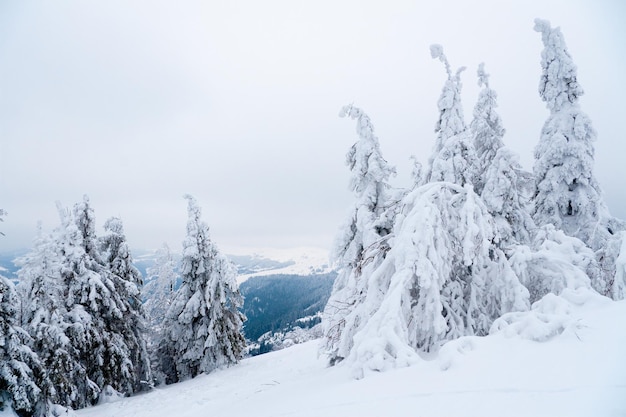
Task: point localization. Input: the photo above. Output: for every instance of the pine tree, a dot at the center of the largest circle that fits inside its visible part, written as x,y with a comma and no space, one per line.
364,233
23,383
568,195
128,282
203,328
454,158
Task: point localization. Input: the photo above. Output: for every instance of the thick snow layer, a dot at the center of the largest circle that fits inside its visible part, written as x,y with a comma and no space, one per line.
581,372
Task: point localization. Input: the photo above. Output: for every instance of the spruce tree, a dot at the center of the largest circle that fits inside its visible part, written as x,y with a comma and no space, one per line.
454,158
45,318
159,291
203,327
486,128
24,386
365,232
101,323
128,282
568,195
503,185
158,294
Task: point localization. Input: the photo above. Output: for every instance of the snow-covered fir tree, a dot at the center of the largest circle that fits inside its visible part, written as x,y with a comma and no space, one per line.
159,291
568,195
503,185
486,127
24,387
128,282
454,157
158,294
203,327
445,278
45,318
364,233
98,304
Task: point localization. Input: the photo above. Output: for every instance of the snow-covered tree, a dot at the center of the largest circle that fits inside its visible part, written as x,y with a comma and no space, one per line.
486,127
98,304
158,294
503,185
43,317
128,282
364,233
444,279
203,327
159,291
554,262
23,383
454,158
568,195
507,194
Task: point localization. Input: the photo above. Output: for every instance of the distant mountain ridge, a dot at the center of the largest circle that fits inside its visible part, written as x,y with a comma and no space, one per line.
250,262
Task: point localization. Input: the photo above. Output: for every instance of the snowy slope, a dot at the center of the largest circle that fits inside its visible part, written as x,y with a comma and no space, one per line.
301,261
578,373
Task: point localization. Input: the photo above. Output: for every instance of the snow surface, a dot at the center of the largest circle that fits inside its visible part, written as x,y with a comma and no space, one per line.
580,372
306,260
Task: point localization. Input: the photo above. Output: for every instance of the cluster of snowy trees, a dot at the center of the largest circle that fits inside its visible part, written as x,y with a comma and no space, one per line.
74,329
476,236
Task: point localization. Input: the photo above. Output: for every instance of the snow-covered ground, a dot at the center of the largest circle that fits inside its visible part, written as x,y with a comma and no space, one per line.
303,260
581,372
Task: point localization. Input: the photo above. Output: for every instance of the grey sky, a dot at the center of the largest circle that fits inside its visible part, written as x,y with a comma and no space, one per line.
137,102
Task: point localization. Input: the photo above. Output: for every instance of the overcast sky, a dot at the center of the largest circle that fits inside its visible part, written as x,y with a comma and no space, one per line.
136,103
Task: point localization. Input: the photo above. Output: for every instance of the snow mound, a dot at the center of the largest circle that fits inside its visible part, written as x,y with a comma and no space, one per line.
549,317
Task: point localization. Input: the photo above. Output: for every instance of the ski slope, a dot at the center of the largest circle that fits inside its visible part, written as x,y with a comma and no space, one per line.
581,372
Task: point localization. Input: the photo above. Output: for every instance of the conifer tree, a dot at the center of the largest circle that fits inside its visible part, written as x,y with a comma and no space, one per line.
158,294
365,232
503,185
99,310
203,328
45,318
159,291
568,195
443,278
23,383
486,127
454,158
128,282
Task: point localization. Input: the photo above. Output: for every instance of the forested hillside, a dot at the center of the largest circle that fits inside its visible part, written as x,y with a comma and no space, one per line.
276,302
